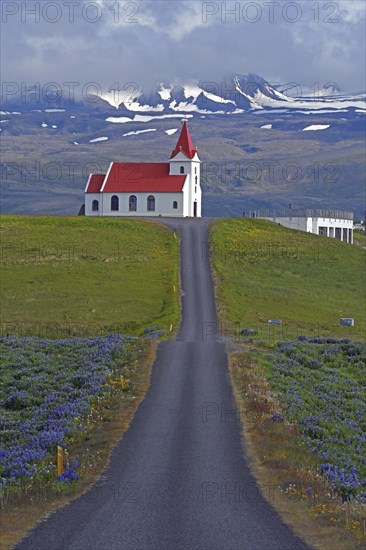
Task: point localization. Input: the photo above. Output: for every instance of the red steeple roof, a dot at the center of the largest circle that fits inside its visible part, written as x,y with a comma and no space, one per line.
184,144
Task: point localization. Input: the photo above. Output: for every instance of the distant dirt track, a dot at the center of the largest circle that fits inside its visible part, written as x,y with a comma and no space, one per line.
179,479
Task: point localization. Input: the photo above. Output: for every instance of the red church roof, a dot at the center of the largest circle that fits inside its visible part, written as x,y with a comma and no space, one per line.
95,183
184,144
133,177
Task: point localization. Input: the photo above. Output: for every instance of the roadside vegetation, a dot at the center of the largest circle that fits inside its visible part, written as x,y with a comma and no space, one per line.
76,393
300,388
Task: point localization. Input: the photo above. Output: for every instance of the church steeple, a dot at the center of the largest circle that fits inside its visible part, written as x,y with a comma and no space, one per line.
184,143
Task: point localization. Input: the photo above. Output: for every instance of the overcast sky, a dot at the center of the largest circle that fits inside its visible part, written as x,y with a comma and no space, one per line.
147,42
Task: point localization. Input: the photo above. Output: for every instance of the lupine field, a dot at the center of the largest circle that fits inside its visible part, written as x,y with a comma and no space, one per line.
322,383
46,390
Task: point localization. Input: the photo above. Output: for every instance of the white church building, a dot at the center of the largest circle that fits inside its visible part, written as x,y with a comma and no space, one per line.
149,189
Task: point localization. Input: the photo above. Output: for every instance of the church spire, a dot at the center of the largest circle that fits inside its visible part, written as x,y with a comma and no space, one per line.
184,143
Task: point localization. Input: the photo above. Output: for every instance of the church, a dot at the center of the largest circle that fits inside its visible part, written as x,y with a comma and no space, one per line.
149,189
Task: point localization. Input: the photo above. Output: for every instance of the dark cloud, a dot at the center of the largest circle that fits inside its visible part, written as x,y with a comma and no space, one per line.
147,42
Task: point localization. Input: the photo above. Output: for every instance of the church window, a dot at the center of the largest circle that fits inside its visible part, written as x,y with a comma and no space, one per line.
182,169
114,203
151,203
132,203
95,206
175,205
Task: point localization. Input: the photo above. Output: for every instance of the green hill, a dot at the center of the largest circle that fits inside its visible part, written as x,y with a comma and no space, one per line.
76,276
265,271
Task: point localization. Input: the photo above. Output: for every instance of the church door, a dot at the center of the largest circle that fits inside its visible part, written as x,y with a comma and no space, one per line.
195,209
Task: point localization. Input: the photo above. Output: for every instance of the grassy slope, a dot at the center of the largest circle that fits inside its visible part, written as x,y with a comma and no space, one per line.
359,237
79,276
265,271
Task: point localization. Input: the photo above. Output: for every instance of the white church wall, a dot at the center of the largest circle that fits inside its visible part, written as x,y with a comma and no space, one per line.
191,190
181,160
199,203
163,204
187,197
89,198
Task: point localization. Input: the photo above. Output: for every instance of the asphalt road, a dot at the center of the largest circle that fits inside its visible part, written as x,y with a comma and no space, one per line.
179,478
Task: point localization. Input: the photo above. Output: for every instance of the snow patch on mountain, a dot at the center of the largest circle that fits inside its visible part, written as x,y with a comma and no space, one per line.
267,126
171,131
316,127
195,91
119,120
164,92
144,118
139,132
135,106
98,139
321,112
335,104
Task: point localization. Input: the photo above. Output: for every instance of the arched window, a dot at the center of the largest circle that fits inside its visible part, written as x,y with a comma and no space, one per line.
114,203
182,169
196,180
151,203
132,203
195,169
175,205
95,206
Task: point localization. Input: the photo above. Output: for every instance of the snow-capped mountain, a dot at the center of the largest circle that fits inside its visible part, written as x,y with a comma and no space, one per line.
131,111
233,95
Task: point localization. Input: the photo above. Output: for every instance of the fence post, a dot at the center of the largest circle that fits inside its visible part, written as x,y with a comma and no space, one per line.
60,460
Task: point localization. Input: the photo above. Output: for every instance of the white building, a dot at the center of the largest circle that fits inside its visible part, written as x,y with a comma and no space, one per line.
329,223
149,189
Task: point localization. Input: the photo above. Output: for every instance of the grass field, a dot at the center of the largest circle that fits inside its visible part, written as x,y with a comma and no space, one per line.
76,276
359,237
265,271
